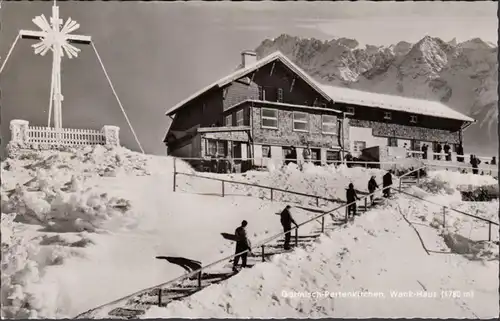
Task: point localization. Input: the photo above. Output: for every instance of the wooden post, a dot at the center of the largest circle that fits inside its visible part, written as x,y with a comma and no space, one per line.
489,231
222,188
400,184
366,204
263,258
444,216
175,174
346,214
296,237
323,224
366,165
199,279
418,177
272,199
317,201
159,297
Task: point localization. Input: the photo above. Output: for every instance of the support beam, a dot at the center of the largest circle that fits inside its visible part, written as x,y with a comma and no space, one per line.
253,75
293,83
272,68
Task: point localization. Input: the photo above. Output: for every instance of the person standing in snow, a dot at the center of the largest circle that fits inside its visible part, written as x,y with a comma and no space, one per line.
460,151
439,149
447,151
307,153
386,183
242,244
425,148
286,222
372,186
474,161
351,197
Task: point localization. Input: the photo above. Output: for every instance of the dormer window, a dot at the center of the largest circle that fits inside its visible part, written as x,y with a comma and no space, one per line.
413,119
387,115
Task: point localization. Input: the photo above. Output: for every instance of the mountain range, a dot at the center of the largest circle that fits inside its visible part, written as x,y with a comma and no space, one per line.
462,75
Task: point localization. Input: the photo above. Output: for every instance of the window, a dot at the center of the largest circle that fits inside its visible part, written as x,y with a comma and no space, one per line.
359,146
413,119
229,120
387,115
300,122
332,156
269,118
392,142
322,105
216,148
262,93
266,151
280,95
328,124
239,118
350,110
211,147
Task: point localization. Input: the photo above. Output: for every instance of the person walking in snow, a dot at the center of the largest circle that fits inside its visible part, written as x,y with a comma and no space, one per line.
386,183
286,221
372,186
242,244
351,197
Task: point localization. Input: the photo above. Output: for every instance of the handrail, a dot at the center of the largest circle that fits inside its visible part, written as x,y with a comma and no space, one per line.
450,208
200,270
261,186
411,172
482,166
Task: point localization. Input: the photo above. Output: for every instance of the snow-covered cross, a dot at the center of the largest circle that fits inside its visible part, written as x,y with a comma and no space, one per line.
53,37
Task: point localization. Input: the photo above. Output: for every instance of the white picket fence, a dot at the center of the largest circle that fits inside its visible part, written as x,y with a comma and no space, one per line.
65,136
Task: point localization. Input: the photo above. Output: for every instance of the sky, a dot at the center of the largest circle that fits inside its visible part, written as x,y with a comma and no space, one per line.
159,53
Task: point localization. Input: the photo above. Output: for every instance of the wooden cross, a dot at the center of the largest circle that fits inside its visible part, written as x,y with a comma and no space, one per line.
53,37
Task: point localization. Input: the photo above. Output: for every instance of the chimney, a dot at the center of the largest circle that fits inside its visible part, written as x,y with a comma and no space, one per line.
248,57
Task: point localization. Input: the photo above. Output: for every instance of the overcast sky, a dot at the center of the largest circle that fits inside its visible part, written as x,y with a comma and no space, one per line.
159,53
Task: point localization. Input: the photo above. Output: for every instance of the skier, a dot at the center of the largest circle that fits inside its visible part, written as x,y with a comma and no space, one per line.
242,244
372,186
351,197
286,222
386,183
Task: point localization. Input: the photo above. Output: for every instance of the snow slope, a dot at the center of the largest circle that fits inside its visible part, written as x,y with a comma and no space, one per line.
81,228
377,267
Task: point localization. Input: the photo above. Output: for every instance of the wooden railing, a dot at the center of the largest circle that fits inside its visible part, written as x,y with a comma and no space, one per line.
64,136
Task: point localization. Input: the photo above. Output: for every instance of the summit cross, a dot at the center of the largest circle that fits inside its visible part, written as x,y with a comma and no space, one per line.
53,37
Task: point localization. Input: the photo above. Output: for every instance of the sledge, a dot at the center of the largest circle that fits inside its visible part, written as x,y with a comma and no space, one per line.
230,237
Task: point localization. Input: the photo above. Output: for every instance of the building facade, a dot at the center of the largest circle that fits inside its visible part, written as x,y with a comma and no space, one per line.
269,105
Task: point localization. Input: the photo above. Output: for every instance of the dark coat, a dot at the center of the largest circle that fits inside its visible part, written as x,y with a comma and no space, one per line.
387,179
439,148
475,162
447,148
242,240
351,195
286,218
372,185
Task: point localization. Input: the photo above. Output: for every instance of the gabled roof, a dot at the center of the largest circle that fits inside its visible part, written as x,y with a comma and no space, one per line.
240,73
396,103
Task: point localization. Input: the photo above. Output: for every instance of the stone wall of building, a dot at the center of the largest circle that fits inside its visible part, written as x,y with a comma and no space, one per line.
408,132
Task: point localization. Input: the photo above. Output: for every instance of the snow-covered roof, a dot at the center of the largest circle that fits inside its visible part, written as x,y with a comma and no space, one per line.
390,102
240,73
339,94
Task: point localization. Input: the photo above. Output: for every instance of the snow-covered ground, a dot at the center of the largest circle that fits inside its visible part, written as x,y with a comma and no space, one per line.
377,267
83,228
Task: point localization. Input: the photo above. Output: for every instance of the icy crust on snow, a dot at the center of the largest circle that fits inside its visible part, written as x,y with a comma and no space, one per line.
379,256
325,181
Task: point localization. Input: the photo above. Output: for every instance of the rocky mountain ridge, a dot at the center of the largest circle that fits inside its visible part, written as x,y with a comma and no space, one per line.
462,75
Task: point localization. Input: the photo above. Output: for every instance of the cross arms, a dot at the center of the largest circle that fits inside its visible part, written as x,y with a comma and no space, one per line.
38,35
